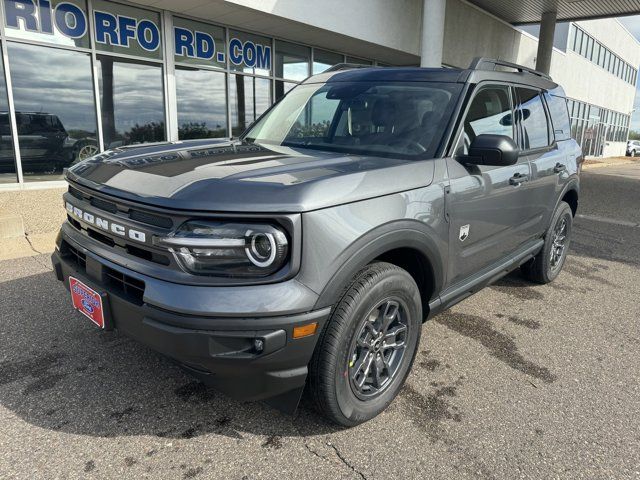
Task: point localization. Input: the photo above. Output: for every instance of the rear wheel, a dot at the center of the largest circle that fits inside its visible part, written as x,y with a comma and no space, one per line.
546,266
367,348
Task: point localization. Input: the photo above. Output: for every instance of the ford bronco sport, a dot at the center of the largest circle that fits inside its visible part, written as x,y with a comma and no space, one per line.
308,252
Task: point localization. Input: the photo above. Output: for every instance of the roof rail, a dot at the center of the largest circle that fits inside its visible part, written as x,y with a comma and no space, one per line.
345,66
482,63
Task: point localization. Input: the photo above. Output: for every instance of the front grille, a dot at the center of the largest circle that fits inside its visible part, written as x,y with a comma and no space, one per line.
103,205
75,256
115,281
125,285
100,237
150,219
76,193
133,214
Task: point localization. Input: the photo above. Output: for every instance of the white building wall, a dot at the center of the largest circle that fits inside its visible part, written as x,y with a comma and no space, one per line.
393,24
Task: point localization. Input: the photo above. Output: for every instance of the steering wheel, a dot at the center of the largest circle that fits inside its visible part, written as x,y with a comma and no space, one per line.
410,145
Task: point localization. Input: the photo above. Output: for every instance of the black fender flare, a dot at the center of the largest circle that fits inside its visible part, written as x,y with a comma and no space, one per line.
572,184
401,234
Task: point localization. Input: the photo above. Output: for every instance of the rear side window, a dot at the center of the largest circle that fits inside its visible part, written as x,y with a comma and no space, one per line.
533,119
559,116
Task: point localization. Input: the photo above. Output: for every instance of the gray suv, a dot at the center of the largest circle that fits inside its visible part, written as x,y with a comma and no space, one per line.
307,253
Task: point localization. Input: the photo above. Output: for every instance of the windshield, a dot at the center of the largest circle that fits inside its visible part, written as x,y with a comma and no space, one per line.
387,119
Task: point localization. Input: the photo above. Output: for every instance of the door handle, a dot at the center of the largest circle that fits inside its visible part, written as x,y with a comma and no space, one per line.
518,179
559,168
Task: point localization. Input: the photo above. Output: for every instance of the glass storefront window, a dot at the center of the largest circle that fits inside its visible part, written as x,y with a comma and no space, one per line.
359,61
62,22
127,30
282,88
323,60
55,109
8,173
198,43
292,61
249,53
131,100
249,98
202,103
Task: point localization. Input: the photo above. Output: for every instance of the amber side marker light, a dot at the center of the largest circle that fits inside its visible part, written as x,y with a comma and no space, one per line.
305,330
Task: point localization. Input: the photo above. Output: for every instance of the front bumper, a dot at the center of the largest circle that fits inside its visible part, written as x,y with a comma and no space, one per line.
222,351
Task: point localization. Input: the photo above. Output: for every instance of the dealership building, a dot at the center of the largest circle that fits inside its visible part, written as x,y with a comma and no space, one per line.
82,76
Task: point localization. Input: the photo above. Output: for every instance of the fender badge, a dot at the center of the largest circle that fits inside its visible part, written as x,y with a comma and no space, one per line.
464,233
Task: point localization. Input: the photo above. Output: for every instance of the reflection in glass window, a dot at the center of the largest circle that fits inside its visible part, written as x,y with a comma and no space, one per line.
132,101
359,117
70,29
489,113
202,104
292,61
7,160
143,24
55,110
559,116
359,61
282,88
199,43
323,60
534,119
249,53
249,98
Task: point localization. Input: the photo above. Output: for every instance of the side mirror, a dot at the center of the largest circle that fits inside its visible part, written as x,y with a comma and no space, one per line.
498,150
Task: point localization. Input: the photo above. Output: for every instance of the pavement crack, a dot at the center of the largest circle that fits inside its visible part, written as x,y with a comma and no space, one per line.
35,250
346,462
312,451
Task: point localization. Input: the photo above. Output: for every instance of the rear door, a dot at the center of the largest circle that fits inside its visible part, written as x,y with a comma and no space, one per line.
488,206
548,157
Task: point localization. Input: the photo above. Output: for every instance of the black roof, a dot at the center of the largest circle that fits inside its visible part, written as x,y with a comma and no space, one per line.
481,69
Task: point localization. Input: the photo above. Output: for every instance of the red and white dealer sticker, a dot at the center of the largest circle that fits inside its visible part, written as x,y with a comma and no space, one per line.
87,301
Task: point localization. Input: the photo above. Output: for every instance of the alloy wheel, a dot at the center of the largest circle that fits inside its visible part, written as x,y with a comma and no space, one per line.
87,151
378,349
559,244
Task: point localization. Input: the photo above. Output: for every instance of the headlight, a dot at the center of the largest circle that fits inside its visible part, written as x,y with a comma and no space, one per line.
228,249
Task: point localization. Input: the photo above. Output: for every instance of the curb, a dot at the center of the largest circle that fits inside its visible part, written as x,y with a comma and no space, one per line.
590,166
27,245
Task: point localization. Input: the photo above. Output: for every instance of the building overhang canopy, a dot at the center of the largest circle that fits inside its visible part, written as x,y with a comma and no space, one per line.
519,12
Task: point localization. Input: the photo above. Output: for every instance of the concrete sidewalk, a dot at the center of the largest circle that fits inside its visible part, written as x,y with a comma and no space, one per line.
29,222
591,163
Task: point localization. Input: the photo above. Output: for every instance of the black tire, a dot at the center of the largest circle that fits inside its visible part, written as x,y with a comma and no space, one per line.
541,268
331,385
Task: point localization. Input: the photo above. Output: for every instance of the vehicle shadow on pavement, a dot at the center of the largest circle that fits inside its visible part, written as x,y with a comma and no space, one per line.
58,372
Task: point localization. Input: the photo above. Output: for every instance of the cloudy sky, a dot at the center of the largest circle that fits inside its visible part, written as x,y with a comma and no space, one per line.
633,25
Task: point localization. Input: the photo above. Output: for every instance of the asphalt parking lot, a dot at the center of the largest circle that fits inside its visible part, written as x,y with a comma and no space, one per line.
517,381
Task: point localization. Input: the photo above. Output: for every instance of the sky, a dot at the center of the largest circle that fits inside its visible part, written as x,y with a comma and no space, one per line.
633,25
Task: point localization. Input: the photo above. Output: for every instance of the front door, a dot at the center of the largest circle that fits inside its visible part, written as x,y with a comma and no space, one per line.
488,207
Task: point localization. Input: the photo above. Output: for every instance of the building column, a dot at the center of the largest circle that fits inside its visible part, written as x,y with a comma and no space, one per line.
432,41
545,41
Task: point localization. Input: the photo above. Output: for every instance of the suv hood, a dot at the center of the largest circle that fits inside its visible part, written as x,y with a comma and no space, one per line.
227,176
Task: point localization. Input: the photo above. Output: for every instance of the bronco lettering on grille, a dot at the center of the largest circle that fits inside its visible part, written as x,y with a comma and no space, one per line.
104,224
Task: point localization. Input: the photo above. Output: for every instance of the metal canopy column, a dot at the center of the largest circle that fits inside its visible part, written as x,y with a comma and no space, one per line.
432,40
545,42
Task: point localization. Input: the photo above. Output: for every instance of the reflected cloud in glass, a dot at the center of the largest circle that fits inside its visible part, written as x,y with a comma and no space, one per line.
55,110
202,105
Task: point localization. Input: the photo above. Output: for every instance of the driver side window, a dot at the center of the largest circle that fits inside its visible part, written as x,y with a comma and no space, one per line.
490,112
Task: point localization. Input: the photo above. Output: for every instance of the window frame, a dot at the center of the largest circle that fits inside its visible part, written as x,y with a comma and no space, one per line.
551,140
459,131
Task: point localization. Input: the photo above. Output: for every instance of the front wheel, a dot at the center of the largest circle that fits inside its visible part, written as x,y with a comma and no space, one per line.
546,265
367,348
